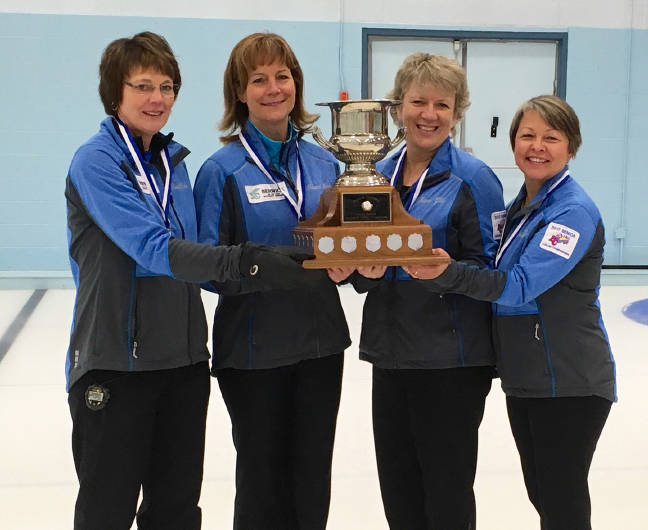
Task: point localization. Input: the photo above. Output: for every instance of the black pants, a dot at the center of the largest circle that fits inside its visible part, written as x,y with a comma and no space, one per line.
283,426
150,434
426,429
556,439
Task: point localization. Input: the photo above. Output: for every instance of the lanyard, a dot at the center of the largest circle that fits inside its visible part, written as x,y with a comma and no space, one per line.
419,182
297,206
162,201
505,245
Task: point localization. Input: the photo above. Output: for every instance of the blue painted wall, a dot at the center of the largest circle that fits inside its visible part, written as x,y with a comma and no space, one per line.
636,203
50,106
611,102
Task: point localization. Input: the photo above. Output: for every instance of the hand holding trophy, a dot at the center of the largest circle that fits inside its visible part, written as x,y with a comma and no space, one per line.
361,221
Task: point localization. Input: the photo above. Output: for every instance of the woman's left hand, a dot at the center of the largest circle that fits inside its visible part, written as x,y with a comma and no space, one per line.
339,274
428,272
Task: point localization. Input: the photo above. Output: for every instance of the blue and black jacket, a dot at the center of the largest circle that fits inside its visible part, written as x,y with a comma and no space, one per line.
408,323
236,202
132,312
548,332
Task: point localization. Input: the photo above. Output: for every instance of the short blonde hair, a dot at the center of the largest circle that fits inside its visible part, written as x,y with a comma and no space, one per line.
437,70
557,113
252,51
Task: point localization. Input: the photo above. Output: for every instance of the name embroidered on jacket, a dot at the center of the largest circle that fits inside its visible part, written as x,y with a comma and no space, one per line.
560,240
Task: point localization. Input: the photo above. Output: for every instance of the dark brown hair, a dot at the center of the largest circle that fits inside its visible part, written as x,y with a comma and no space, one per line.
122,56
252,51
557,113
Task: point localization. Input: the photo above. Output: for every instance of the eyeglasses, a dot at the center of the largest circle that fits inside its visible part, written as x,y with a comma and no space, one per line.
168,90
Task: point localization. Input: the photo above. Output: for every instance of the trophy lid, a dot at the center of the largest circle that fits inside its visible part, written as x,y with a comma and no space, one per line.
351,105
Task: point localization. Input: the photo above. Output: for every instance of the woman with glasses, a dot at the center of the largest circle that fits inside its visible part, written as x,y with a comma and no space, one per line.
553,355
137,370
278,355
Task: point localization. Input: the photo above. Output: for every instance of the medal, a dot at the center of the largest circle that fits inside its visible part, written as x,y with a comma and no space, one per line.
419,182
161,198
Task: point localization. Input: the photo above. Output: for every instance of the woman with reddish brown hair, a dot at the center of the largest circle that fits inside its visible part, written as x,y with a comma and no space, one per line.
278,355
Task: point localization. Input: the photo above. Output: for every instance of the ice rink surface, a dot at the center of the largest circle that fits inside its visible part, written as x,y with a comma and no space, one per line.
38,483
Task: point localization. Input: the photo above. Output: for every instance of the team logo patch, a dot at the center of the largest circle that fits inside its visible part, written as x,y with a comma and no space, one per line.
560,240
497,220
96,397
144,185
266,192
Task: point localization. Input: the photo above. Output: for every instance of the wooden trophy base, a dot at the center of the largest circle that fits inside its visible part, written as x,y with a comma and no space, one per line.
362,226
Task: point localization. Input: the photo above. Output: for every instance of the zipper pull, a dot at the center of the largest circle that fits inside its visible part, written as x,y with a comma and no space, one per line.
537,327
135,349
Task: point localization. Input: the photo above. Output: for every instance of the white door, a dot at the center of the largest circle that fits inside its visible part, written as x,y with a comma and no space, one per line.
387,55
501,75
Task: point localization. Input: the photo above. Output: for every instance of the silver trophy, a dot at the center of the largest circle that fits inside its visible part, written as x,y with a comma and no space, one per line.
361,219
360,139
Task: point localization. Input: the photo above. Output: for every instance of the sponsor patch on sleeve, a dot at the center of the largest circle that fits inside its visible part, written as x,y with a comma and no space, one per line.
560,239
497,220
266,192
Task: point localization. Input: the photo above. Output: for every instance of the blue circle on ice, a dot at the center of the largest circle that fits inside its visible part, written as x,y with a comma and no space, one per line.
637,311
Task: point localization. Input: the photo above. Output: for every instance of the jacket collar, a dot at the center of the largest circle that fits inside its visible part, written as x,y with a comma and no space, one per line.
254,139
541,195
177,152
441,161
438,168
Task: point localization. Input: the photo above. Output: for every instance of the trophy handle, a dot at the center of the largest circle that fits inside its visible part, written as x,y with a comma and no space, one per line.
400,136
319,138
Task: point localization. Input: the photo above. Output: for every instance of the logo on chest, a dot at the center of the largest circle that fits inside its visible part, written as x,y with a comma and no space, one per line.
498,219
266,192
143,184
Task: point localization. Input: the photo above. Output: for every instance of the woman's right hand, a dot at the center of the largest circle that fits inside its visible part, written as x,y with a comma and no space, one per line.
373,271
429,272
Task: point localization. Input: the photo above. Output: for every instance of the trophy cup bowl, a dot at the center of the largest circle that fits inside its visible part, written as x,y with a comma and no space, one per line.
360,139
361,219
